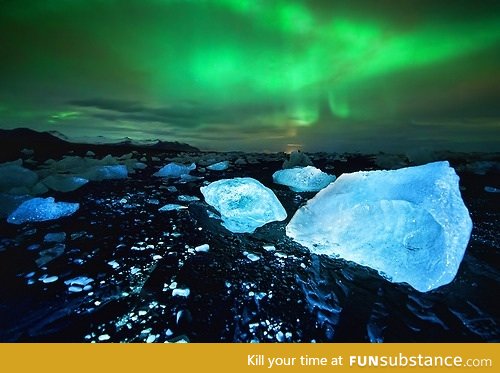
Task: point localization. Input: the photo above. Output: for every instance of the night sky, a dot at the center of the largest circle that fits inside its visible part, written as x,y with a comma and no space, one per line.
256,75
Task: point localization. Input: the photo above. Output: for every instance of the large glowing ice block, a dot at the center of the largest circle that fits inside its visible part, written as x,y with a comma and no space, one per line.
243,203
411,224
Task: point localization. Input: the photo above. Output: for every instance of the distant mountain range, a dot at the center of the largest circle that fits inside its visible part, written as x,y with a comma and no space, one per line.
54,143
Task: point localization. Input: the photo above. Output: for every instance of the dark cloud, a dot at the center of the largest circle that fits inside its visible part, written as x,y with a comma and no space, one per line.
123,106
186,114
114,110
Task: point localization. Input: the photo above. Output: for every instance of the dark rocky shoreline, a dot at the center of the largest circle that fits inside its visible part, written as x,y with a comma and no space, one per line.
136,257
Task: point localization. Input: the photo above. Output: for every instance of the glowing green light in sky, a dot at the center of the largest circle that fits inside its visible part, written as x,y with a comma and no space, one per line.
303,113
63,116
268,64
339,106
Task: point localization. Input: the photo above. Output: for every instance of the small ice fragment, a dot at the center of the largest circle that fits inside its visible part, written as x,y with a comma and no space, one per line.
280,337
151,338
80,281
269,247
189,178
490,189
186,198
172,207
104,337
253,257
260,295
202,248
49,279
182,340
219,166
27,152
55,237
114,264
182,315
175,170
181,292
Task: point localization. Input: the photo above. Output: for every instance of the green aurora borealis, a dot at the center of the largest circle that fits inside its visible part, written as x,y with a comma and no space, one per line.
256,75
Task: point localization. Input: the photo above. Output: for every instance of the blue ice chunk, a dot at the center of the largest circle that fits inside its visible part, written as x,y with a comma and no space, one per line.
9,203
64,183
175,170
219,166
55,237
491,189
98,173
186,178
244,203
139,166
186,198
410,225
202,248
303,179
297,159
79,281
172,207
79,284
16,176
41,209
